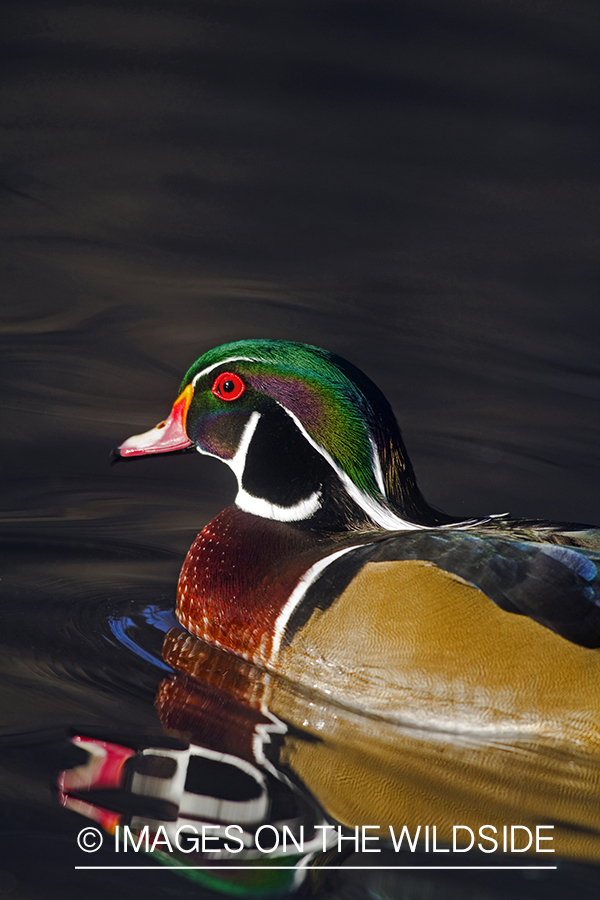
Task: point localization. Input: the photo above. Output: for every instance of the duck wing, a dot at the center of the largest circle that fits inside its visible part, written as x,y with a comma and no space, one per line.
556,585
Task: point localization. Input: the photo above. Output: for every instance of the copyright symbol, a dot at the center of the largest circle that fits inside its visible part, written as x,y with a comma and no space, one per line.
89,840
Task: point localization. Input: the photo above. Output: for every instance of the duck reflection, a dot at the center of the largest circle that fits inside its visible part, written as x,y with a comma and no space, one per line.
204,795
344,654
248,748
368,770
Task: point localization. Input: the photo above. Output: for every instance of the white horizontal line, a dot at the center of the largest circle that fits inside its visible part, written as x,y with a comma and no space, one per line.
340,867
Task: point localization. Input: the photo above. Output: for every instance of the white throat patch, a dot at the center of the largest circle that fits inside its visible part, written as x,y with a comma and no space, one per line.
257,506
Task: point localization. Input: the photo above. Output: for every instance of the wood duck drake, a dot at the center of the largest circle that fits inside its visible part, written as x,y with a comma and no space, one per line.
332,569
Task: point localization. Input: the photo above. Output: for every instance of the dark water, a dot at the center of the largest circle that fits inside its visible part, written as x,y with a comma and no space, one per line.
411,185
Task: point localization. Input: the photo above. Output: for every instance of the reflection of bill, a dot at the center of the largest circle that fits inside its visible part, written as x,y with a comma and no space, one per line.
418,653
192,808
216,798
266,757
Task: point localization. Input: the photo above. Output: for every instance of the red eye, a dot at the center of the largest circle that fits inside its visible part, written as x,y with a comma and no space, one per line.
228,386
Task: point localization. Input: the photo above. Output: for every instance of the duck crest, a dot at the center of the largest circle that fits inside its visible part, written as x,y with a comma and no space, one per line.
326,417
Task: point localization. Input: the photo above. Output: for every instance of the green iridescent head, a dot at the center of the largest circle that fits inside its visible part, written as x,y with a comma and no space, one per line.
292,412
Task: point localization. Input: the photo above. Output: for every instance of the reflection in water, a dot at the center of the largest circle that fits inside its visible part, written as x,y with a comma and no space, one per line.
410,185
101,637
429,644
376,671
213,797
240,745
256,750
363,769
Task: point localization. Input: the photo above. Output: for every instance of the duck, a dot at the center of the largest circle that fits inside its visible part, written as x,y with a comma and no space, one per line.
331,568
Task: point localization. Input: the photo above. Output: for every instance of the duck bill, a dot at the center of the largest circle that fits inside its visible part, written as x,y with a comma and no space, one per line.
168,437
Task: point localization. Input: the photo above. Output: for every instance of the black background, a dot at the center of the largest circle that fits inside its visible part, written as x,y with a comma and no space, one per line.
412,185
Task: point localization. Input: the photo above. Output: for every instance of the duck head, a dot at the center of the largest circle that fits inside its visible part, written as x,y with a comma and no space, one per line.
308,436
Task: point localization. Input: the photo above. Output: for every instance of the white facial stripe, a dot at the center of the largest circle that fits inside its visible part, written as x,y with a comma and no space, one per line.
238,463
296,513
297,595
378,514
222,362
256,505
207,453
377,468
